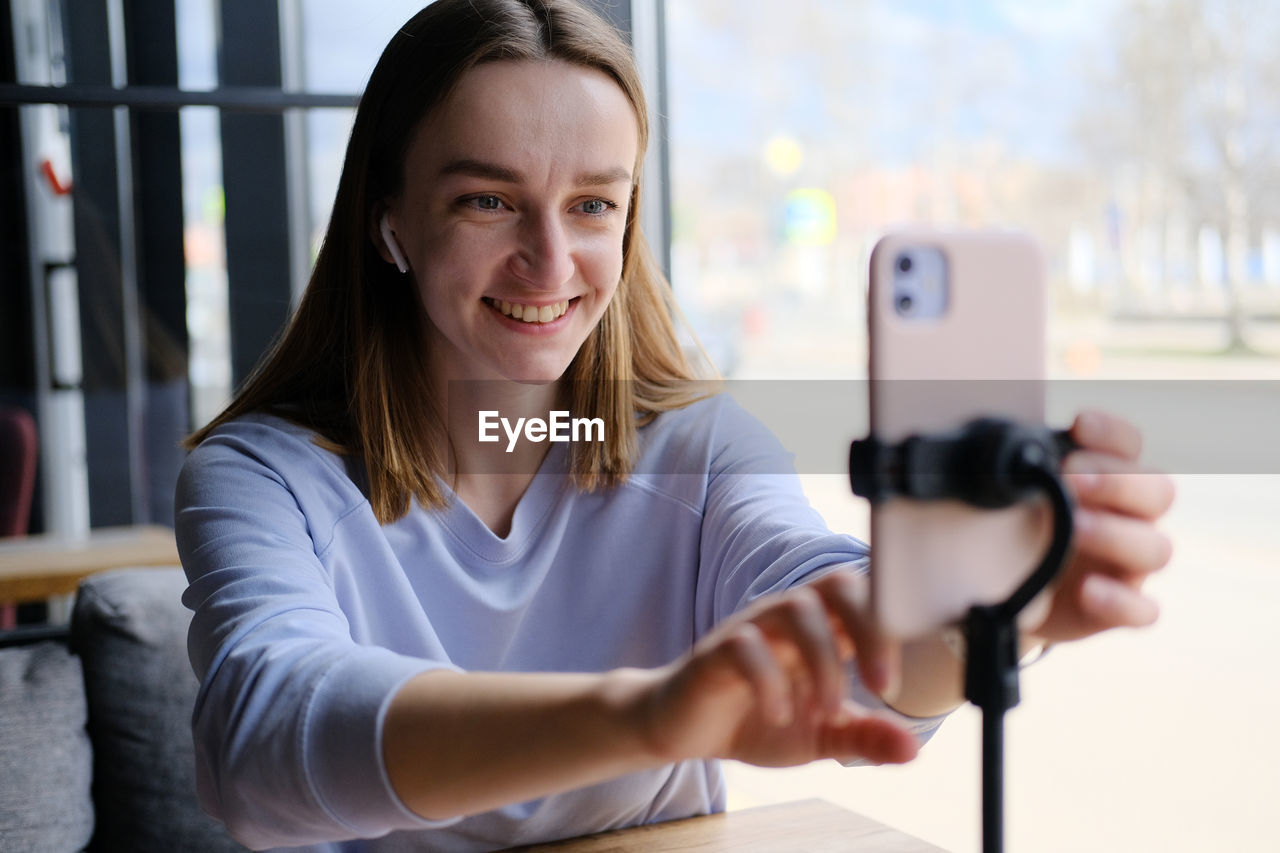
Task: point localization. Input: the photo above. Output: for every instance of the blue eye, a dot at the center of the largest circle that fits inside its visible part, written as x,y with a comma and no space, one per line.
487,202
597,207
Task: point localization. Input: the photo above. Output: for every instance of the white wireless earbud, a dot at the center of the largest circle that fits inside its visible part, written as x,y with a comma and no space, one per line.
392,246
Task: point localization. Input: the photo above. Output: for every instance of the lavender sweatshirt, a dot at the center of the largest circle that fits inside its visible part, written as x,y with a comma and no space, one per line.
309,615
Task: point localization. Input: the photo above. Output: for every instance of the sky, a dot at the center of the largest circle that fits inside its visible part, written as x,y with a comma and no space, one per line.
977,68
906,70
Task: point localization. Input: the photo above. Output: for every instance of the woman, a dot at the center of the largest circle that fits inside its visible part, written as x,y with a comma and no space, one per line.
409,633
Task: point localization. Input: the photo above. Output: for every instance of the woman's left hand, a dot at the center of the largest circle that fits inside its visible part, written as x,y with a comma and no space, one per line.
1117,545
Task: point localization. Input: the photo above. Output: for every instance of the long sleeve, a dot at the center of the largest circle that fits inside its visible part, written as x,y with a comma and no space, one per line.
759,532
286,724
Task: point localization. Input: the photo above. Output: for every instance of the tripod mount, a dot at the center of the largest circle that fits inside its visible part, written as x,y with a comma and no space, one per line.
989,463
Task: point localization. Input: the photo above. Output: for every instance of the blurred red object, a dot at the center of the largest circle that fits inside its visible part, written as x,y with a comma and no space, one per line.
17,470
17,481
755,320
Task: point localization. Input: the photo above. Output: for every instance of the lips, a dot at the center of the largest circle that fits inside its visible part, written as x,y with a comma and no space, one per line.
530,313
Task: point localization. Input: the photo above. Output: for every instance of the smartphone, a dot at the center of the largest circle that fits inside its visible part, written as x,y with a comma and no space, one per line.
956,324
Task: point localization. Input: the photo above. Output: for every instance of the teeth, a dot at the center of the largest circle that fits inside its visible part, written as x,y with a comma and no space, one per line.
530,313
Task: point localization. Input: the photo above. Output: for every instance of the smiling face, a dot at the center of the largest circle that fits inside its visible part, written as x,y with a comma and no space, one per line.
512,216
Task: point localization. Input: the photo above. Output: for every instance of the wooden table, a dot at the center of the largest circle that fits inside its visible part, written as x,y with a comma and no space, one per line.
34,568
807,826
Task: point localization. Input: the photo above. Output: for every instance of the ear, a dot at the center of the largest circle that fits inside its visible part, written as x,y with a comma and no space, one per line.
384,238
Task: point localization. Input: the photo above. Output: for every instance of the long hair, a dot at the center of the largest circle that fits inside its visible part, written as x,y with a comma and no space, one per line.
352,363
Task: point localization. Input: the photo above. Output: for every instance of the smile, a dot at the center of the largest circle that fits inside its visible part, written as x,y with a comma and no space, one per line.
530,313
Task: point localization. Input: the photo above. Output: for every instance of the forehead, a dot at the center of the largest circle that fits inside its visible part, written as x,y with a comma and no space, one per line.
530,115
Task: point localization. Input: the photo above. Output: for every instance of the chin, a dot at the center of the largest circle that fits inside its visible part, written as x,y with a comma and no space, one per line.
541,371
537,380
541,375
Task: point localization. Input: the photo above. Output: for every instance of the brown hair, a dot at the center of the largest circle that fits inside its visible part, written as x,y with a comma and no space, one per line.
351,364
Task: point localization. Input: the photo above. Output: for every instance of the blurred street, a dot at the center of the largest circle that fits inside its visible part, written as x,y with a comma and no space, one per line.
1156,740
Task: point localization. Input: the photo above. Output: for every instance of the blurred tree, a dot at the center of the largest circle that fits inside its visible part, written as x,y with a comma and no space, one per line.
1186,118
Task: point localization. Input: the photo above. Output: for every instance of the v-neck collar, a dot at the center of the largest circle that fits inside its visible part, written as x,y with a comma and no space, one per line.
526,521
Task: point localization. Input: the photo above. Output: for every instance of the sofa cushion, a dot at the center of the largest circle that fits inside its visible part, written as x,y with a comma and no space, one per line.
129,628
45,755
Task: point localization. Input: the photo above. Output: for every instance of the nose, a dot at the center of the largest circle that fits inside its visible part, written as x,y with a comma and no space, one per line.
544,257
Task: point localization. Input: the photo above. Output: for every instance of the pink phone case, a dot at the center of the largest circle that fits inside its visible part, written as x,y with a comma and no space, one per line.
984,356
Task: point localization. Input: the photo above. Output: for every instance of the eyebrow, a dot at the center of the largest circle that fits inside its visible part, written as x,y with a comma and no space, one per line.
494,172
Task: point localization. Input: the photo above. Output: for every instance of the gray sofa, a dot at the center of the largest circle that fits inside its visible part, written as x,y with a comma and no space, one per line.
95,737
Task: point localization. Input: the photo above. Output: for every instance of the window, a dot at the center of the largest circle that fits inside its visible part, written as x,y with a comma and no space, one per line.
1135,141
151,289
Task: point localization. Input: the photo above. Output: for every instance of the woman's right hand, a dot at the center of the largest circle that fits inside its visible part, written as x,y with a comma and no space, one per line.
768,686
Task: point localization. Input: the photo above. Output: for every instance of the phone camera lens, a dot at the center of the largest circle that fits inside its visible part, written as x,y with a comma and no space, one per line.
904,263
905,304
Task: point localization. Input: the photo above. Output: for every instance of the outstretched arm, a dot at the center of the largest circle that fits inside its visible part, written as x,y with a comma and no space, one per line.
767,686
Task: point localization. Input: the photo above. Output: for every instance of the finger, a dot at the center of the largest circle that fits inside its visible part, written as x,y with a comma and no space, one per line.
1095,430
1128,544
861,735
800,617
878,655
1107,601
1106,482
747,651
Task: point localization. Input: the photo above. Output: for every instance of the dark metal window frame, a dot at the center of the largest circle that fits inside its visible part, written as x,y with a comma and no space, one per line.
135,199
257,99
252,106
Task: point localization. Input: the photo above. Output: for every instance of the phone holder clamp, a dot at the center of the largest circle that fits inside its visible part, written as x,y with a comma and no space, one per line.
989,463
